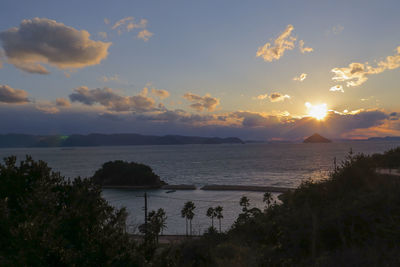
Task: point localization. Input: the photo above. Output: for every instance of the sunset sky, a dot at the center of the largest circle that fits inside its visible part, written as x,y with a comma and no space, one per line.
265,70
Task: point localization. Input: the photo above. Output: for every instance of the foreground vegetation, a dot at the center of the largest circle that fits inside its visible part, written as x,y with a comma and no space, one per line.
350,219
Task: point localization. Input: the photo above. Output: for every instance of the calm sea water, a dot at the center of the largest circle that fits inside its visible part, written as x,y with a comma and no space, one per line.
250,164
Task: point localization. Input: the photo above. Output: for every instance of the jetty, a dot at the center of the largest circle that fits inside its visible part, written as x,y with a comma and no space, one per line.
213,187
246,188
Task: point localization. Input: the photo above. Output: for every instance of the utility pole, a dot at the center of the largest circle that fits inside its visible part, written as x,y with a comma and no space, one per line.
145,211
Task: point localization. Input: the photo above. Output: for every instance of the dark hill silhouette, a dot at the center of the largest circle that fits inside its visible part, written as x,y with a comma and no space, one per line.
25,140
316,138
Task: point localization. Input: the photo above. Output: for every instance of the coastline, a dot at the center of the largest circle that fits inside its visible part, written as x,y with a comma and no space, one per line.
253,188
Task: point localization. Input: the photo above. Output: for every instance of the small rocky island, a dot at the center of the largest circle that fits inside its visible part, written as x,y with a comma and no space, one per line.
316,138
122,174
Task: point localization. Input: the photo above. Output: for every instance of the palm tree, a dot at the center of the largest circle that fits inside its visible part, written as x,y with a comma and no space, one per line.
184,214
211,213
218,211
190,214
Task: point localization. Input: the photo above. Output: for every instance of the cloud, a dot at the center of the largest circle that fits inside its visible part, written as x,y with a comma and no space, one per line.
13,96
121,22
277,97
160,93
47,108
1,58
337,88
255,119
270,52
261,97
145,35
243,124
106,21
357,73
62,102
300,78
141,25
128,24
200,103
304,49
41,40
109,99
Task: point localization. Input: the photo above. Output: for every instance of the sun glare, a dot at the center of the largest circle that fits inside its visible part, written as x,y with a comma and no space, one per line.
317,111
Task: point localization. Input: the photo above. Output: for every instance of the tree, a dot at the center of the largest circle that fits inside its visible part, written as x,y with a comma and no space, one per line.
211,213
122,173
46,220
184,214
244,203
267,199
156,224
188,213
218,211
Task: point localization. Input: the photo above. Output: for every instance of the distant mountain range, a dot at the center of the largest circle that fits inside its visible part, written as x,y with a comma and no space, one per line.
26,140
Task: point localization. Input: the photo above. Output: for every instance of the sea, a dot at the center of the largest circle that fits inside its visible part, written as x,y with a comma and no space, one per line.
263,164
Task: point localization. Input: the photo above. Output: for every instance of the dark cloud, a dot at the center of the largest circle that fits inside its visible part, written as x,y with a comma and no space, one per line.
243,124
41,40
200,103
278,97
12,96
62,102
111,100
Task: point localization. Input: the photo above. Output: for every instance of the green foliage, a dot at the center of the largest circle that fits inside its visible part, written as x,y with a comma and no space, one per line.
122,173
47,221
350,219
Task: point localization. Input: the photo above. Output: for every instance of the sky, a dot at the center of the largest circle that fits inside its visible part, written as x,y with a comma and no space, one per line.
263,70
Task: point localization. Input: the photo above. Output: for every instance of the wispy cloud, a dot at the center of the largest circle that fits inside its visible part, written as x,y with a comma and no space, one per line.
275,49
161,93
357,73
41,40
144,35
278,97
270,52
201,103
304,49
261,97
301,77
128,24
337,88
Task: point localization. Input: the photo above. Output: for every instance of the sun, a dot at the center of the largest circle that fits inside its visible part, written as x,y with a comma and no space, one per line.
318,112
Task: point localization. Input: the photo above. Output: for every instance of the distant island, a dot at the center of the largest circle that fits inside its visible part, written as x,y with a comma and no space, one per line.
26,140
126,174
316,138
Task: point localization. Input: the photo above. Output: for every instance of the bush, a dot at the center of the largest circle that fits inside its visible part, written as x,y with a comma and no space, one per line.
47,221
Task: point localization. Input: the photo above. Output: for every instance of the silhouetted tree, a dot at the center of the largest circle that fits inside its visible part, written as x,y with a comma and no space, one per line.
211,214
267,199
156,223
46,220
188,213
218,211
122,173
